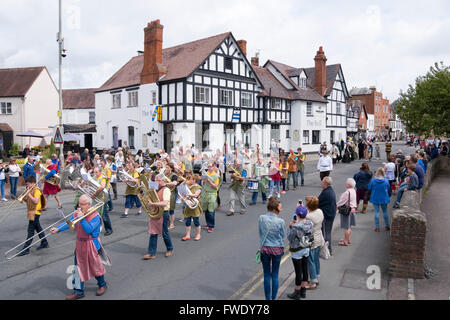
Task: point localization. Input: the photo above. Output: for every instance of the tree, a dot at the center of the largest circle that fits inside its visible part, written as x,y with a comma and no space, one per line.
425,108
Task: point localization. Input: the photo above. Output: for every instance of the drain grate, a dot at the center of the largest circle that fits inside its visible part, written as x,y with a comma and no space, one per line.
429,273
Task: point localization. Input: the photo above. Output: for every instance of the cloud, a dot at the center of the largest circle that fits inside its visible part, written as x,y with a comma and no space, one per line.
383,43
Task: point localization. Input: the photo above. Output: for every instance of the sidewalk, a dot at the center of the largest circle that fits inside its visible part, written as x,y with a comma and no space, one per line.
437,254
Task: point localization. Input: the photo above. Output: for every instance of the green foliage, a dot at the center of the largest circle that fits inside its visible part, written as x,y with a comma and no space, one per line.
15,150
425,107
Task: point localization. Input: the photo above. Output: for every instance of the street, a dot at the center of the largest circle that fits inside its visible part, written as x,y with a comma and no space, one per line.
220,266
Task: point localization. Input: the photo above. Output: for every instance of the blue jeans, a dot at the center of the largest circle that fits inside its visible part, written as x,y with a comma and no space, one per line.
153,241
376,208
189,221
302,174
2,187
106,219
270,274
402,188
110,204
255,197
13,181
210,218
294,179
100,281
273,184
314,264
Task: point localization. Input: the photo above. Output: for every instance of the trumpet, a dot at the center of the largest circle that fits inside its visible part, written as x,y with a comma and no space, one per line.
91,210
32,244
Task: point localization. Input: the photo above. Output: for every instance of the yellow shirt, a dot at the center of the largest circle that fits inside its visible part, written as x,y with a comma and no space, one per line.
167,195
37,194
107,173
100,180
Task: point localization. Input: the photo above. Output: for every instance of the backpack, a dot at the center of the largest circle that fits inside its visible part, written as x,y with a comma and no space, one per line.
301,236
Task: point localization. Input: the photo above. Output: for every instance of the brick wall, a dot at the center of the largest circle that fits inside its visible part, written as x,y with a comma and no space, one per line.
409,229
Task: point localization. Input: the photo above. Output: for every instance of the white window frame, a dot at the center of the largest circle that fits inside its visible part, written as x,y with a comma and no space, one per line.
309,112
246,99
154,97
4,108
312,136
306,137
133,98
90,114
202,94
226,97
276,104
116,100
302,82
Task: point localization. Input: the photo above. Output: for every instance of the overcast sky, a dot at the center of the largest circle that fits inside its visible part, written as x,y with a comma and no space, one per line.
382,43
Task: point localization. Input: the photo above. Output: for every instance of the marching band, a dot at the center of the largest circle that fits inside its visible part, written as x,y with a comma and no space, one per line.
185,177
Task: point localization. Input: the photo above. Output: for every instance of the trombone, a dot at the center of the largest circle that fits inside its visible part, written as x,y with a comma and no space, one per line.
72,223
32,244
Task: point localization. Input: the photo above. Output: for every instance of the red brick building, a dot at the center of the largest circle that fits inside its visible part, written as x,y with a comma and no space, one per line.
376,105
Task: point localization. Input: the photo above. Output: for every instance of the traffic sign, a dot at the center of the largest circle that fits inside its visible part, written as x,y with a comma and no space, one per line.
58,139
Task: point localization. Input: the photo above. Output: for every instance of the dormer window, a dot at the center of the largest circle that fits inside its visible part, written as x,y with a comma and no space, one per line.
302,82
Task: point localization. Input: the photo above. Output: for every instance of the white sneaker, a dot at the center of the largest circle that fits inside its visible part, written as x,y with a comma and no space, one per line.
4,199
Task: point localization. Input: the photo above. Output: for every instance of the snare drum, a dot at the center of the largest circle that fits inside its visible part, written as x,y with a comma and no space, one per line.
253,184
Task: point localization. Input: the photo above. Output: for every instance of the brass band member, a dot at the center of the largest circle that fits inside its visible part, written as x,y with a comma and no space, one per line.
237,190
34,201
132,192
172,185
50,189
160,226
209,196
260,172
103,211
193,214
107,172
87,248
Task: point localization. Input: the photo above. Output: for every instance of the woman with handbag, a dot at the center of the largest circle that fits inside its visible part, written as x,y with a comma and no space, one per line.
271,248
347,208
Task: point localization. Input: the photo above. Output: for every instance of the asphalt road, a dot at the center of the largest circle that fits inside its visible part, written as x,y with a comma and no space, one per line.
218,267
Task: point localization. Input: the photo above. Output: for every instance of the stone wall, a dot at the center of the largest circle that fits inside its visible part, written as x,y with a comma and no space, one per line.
409,227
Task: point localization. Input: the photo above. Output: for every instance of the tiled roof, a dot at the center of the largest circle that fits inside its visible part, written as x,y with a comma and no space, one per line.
360,91
78,99
16,82
273,88
180,61
332,71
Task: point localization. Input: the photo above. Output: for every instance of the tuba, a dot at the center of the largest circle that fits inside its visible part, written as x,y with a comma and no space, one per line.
145,195
53,180
88,185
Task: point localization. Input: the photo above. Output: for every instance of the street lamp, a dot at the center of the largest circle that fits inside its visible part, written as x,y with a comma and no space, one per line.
61,54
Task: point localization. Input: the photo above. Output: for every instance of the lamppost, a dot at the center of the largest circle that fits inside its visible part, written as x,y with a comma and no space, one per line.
61,54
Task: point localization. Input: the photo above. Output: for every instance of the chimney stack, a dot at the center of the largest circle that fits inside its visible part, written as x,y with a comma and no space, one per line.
243,45
153,38
320,70
255,61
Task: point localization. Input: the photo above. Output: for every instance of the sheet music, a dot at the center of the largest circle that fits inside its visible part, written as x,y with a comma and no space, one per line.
153,185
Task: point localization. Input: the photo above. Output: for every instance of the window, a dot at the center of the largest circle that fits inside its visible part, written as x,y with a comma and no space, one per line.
153,97
309,109
305,137
201,94
338,108
332,136
91,116
288,105
131,137
228,63
276,103
133,99
116,100
246,99
287,134
226,97
316,137
6,108
302,83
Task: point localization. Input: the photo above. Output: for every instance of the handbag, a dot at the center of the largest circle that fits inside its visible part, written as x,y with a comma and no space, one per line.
258,253
324,252
345,209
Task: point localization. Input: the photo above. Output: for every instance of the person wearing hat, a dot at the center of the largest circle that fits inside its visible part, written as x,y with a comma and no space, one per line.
300,241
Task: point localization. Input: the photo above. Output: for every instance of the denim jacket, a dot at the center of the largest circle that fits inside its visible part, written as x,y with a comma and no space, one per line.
276,233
